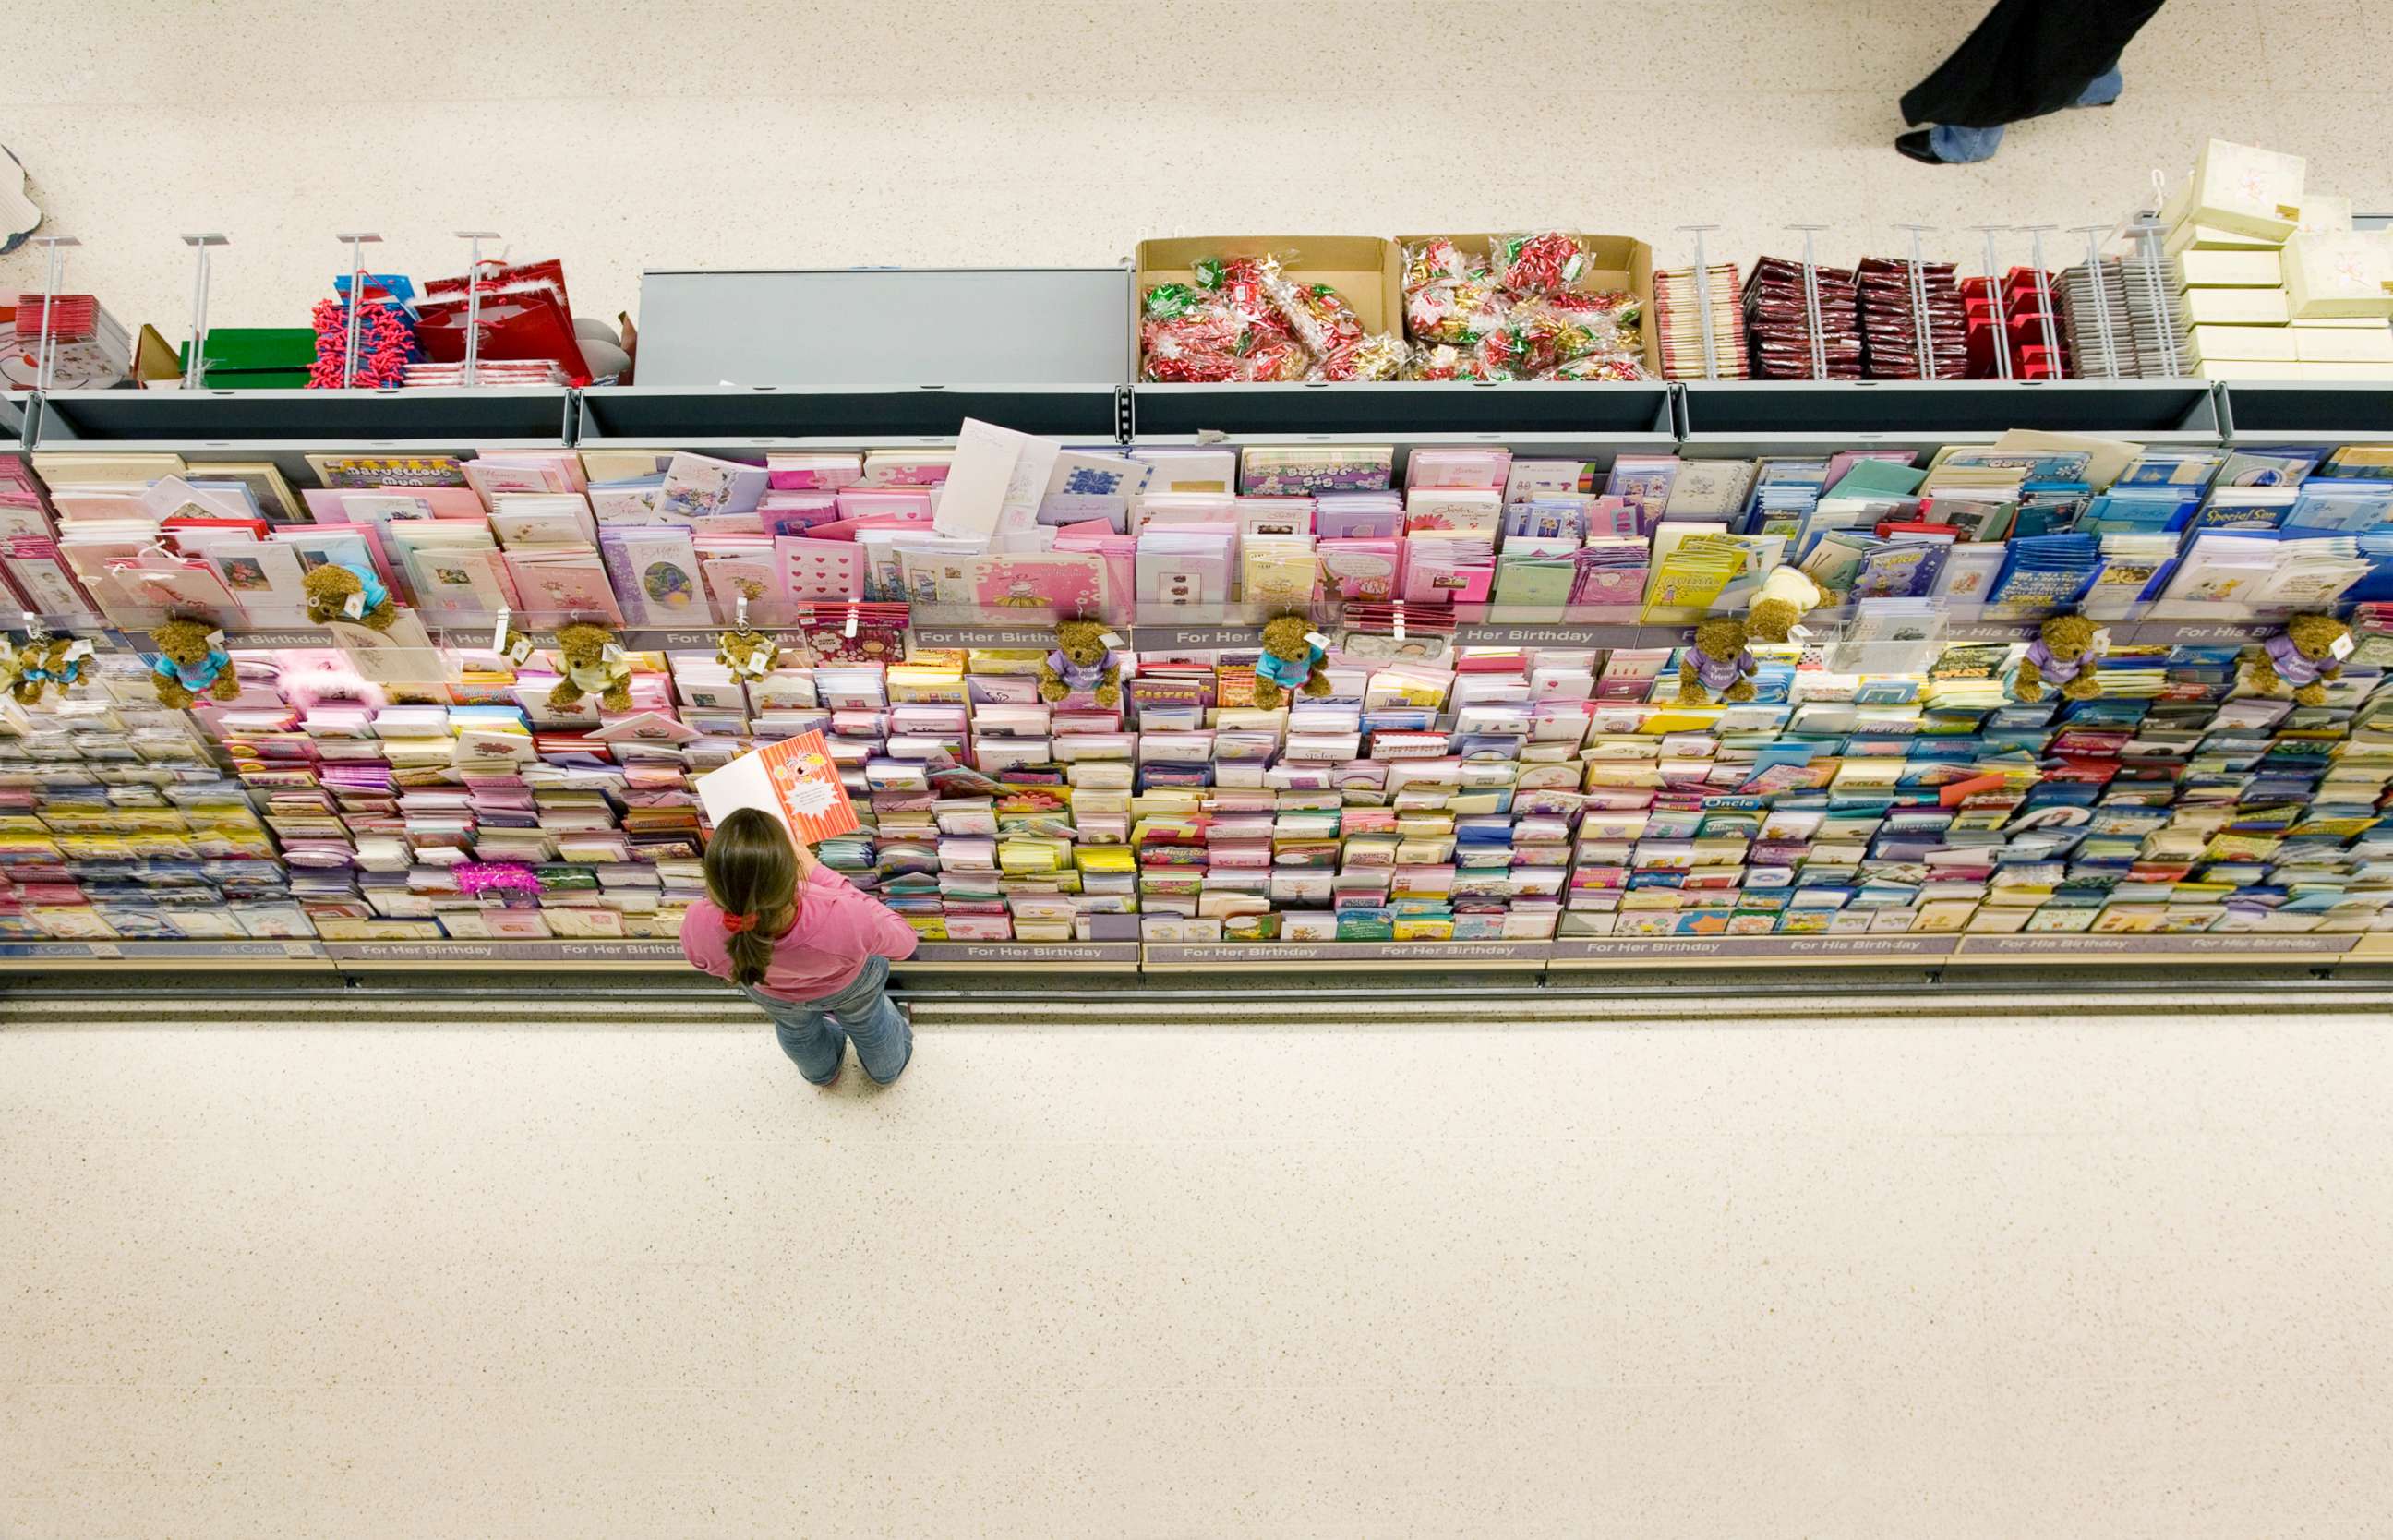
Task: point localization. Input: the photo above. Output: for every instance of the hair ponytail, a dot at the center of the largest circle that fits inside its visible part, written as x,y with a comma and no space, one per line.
751,874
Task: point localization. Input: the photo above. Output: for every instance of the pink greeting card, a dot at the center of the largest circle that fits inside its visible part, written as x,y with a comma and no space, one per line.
818,569
756,579
1067,582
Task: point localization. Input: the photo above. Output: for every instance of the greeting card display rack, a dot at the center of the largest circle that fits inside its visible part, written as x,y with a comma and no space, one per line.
1696,419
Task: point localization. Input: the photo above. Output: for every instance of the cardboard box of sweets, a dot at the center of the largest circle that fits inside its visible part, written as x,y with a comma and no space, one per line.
1367,269
1621,262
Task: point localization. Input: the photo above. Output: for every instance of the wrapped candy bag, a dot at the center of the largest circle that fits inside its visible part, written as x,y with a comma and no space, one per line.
1379,356
1187,337
1238,283
1454,310
1242,317
1538,263
1602,366
1526,346
1317,314
1272,359
1439,261
1444,361
1592,323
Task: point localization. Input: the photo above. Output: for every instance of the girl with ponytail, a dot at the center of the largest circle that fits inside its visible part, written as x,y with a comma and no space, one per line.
803,945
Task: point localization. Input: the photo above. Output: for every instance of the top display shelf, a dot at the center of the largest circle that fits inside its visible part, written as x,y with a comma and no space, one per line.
512,417
1412,411
1732,416
734,417
1704,417
2293,412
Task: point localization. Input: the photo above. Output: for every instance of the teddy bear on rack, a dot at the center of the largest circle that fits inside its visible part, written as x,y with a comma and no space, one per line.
747,654
1719,667
1780,604
44,663
1291,660
191,662
2062,654
590,663
1082,661
336,592
2304,658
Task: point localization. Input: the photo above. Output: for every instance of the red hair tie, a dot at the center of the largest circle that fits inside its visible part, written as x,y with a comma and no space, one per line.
735,923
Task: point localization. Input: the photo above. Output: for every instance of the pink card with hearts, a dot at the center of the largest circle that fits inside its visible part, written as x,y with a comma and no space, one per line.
817,570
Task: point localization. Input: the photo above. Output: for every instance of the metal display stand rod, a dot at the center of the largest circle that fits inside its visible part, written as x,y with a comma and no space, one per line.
474,300
1922,351
46,349
1703,298
195,368
1812,297
1995,300
357,241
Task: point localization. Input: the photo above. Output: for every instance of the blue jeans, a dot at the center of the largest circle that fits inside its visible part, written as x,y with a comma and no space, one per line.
1960,146
883,1039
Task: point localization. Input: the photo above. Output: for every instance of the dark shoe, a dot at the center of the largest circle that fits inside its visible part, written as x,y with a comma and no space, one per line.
1916,145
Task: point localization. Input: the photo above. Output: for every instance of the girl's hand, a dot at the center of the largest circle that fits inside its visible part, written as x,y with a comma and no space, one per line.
806,862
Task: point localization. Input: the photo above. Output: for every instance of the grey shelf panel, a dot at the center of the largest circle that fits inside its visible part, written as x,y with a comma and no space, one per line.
466,953
1328,955
1603,951
850,326
1044,956
1407,410
35,954
515,417
17,413
2296,412
763,416
1735,412
2192,946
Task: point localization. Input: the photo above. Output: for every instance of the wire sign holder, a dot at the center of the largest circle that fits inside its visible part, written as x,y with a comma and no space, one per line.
1994,303
1923,349
2096,282
357,241
195,368
1704,299
1812,297
474,240
46,347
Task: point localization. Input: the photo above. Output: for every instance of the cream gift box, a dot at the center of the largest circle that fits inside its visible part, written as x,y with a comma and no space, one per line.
2210,238
2329,275
2322,213
2239,187
2236,306
2241,344
2347,371
2265,369
2337,341
2243,269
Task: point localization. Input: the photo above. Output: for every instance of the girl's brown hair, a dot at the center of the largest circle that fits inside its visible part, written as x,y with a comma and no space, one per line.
751,874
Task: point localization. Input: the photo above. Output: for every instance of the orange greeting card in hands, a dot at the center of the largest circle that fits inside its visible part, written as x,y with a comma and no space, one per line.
795,780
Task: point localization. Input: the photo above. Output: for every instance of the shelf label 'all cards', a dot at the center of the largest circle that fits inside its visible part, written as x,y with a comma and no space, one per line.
795,780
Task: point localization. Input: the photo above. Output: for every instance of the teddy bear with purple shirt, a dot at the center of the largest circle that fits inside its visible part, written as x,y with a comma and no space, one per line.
2062,655
1719,666
2303,658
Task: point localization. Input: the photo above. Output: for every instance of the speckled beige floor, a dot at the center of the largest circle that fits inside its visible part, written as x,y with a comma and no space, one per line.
1917,1277
818,133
